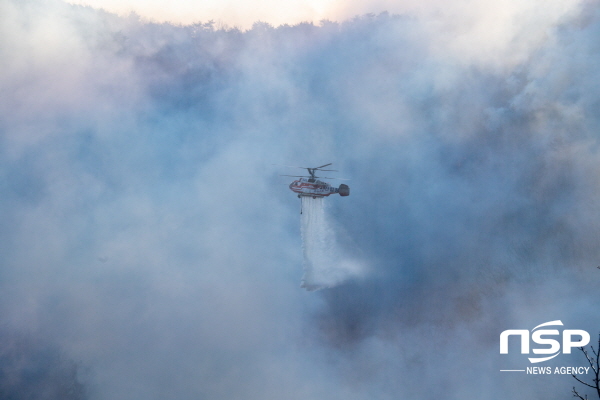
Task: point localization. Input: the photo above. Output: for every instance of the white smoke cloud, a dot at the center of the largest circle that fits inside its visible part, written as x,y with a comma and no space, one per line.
491,33
146,236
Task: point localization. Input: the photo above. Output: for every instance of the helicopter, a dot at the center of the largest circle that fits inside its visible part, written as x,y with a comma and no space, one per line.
310,186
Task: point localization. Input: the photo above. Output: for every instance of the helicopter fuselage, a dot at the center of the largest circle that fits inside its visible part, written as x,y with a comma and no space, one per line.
312,188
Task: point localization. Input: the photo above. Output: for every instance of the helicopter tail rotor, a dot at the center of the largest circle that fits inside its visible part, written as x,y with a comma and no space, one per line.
344,190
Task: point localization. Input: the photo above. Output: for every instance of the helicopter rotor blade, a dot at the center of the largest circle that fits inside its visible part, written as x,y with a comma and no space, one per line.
323,166
317,168
340,179
297,176
290,166
312,172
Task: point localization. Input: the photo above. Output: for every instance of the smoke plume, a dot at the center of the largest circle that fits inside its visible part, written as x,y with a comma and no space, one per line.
147,239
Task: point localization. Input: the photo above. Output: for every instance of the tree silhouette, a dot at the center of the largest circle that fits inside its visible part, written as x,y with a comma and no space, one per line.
594,361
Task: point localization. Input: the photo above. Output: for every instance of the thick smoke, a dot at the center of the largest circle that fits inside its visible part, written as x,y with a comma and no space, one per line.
145,235
30,369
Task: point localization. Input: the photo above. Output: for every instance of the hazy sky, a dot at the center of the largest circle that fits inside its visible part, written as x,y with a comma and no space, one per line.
494,16
150,249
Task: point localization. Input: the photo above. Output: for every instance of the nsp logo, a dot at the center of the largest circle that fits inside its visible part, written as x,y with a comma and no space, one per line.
570,338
